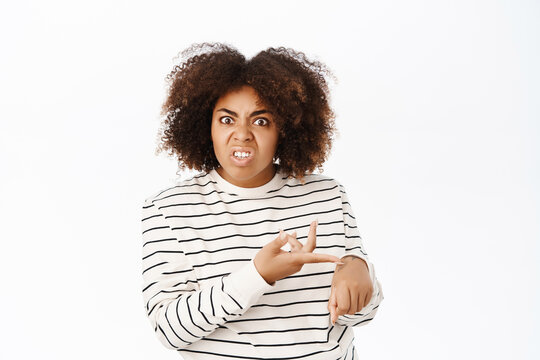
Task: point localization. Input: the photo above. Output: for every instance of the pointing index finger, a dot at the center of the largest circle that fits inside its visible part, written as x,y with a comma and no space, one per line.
311,240
316,258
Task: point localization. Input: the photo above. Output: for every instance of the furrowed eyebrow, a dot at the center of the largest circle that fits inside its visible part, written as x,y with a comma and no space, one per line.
255,113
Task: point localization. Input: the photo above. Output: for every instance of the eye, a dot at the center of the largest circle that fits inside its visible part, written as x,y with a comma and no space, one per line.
224,119
264,121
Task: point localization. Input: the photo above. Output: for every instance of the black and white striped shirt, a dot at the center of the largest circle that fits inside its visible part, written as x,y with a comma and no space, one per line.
202,292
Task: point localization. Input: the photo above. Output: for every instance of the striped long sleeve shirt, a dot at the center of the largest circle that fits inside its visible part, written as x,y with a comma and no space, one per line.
201,291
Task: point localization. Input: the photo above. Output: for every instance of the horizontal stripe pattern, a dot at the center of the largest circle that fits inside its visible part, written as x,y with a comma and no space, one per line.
202,292
354,246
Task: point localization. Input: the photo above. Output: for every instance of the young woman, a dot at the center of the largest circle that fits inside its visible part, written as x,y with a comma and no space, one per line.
255,257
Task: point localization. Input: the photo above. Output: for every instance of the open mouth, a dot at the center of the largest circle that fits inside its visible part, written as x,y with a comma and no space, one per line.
242,154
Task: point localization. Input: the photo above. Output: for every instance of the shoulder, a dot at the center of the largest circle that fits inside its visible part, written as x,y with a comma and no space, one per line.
329,183
321,178
312,183
193,184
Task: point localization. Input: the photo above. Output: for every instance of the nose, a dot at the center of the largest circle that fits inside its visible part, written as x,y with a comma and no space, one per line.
242,131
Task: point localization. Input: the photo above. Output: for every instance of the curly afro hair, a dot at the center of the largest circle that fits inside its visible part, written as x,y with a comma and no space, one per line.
290,85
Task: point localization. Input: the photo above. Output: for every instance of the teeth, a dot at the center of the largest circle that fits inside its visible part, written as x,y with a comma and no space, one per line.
241,155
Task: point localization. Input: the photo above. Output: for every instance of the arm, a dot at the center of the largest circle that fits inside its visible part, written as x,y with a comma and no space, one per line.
178,309
355,249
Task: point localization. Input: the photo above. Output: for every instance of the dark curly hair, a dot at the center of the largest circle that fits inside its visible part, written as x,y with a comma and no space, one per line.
293,87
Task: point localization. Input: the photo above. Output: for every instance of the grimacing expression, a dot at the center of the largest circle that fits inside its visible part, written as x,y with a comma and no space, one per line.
245,138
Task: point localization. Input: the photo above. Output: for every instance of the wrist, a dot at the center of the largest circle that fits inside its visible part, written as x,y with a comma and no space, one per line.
265,277
353,258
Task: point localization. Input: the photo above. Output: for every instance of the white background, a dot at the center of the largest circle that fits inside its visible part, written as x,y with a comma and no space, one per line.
437,105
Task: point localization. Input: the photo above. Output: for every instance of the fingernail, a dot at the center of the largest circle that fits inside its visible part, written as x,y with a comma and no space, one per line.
316,222
339,262
294,233
282,235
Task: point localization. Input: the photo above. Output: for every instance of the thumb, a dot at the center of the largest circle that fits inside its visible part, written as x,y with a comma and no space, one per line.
332,305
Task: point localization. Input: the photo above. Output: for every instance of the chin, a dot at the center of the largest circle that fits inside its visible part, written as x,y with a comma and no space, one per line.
243,173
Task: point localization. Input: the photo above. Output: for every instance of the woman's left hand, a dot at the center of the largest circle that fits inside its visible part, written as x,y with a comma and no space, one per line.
351,285
351,288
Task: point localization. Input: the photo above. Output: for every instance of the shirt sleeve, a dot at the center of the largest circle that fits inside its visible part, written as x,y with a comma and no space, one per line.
354,247
179,310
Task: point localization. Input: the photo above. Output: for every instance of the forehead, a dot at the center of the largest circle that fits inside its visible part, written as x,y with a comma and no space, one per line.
242,97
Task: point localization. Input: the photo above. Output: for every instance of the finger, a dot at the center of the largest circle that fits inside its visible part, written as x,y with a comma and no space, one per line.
295,244
278,242
354,297
310,257
362,301
343,299
311,240
332,305
360,304
368,298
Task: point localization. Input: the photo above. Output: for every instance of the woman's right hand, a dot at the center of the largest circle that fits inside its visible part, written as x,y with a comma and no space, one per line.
274,264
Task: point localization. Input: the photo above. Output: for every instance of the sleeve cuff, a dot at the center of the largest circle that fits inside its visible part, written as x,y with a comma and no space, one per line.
247,284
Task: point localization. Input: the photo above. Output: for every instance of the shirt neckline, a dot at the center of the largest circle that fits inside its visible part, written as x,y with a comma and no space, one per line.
273,184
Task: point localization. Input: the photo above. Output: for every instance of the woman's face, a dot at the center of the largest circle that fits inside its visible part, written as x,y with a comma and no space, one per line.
241,126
